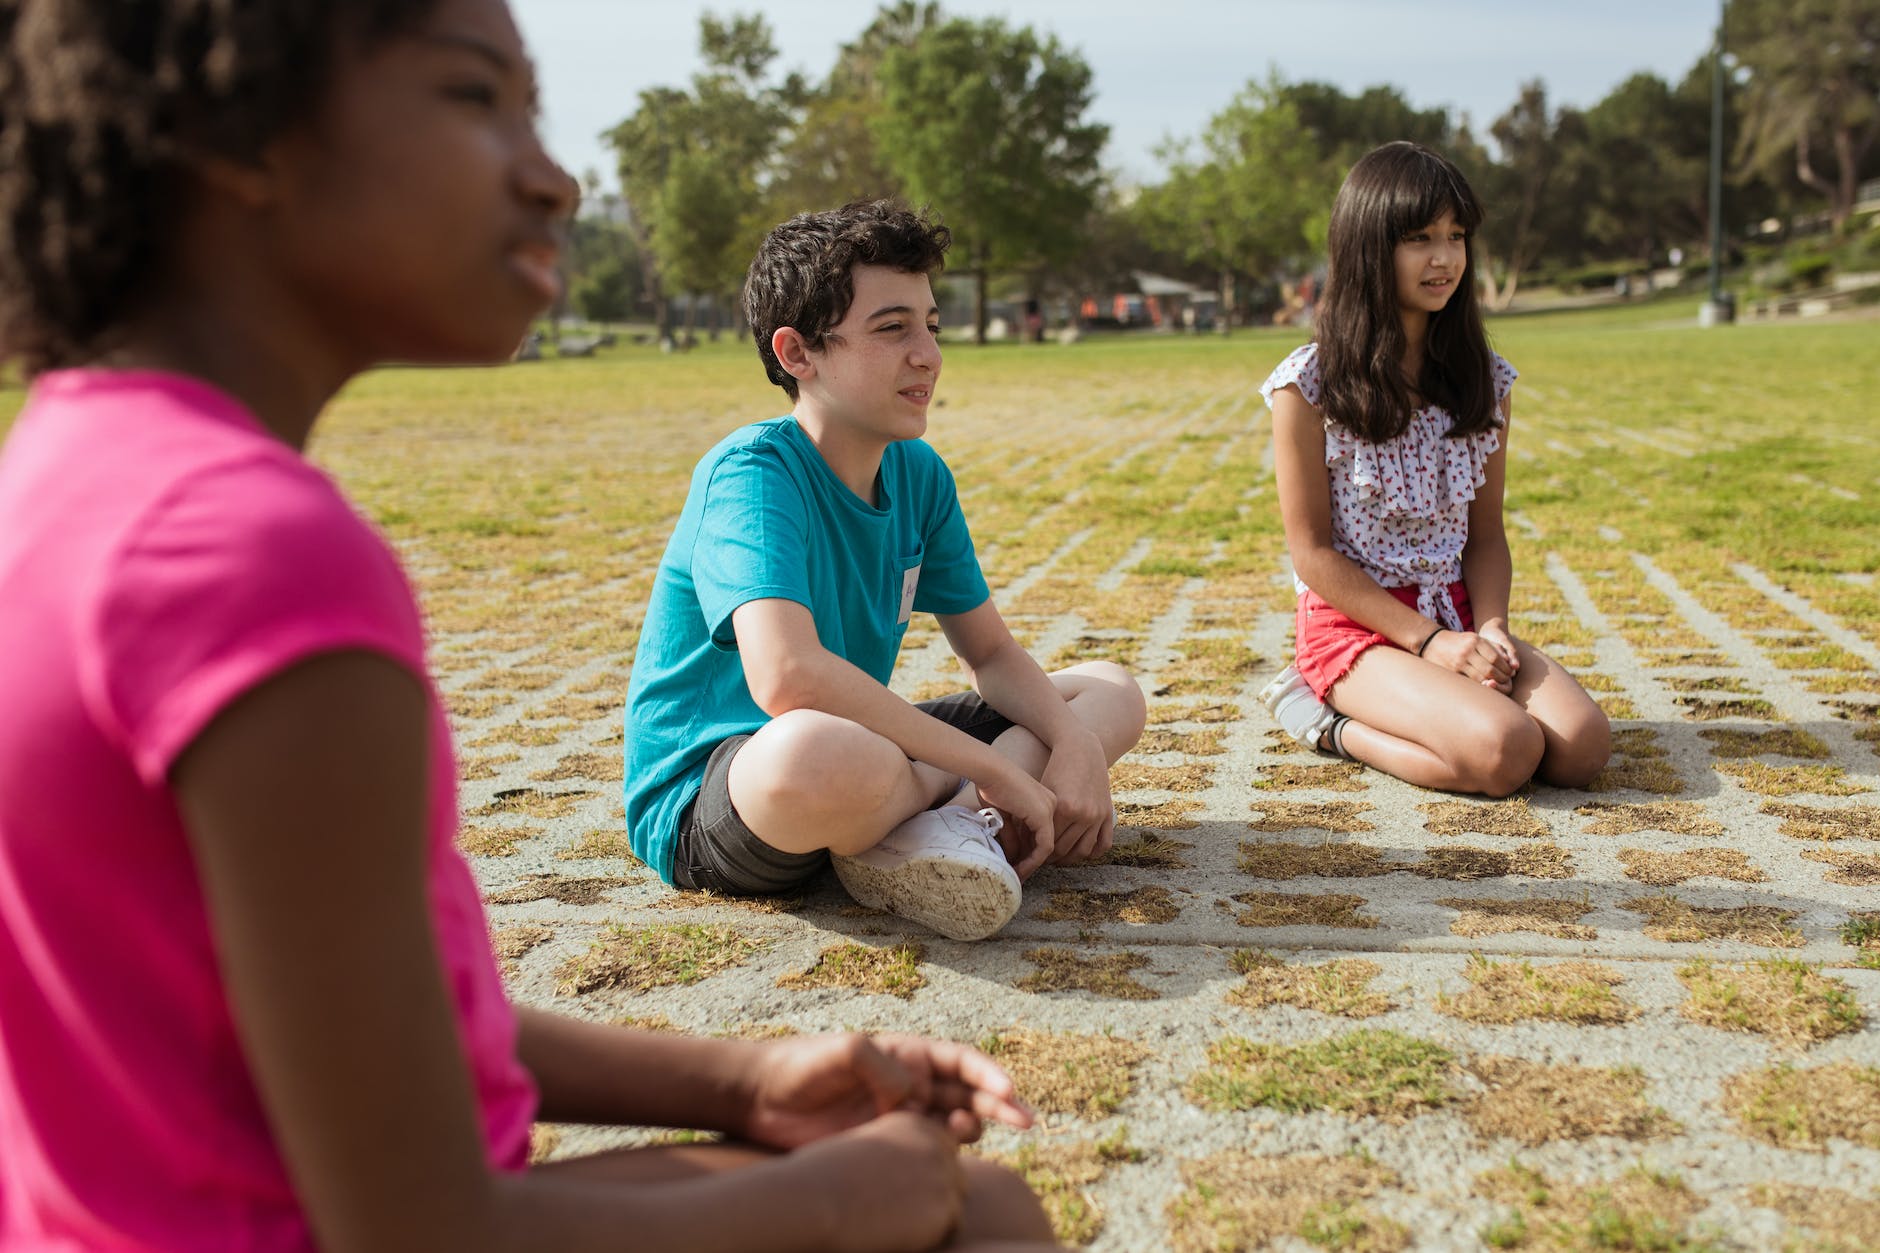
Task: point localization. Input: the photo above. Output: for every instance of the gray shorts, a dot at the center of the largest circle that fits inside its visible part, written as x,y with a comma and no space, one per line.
716,852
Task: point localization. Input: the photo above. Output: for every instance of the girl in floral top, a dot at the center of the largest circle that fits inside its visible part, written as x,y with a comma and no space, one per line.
1391,444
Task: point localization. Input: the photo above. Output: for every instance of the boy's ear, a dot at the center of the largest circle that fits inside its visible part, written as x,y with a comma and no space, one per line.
793,353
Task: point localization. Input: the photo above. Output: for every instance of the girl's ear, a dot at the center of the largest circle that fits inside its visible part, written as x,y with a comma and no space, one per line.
250,184
793,353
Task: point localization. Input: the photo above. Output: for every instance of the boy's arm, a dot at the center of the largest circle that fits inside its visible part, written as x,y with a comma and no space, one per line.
1012,682
786,668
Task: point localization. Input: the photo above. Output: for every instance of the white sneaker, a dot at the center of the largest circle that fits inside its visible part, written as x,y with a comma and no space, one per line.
1302,715
942,868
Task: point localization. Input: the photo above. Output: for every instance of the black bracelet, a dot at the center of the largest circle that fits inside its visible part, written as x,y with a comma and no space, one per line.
1426,639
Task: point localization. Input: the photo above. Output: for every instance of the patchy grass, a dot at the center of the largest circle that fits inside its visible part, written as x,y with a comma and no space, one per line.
1088,1076
1779,742
1133,776
1461,863
1844,1223
1860,870
1861,931
568,889
512,944
1204,711
1794,1107
1143,907
893,971
1060,970
1147,851
600,843
654,957
1532,1103
1780,997
1480,916
1280,860
1809,822
1519,991
1665,869
527,802
1303,909
1369,1072
1770,780
1062,1174
1676,817
595,767
1697,709
494,841
1237,1200
1171,815
1638,774
1671,920
1640,1210
1511,817
1336,776
1187,743
1339,817
1336,987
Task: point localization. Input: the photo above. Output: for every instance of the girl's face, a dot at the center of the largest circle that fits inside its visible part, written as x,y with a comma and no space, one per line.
1431,260
416,216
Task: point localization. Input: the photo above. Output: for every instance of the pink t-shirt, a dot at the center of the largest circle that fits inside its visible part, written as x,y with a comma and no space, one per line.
160,554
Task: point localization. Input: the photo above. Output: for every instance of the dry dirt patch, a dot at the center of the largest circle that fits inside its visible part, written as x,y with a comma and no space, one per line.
1787,780
494,841
1147,851
1810,822
1780,742
530,803
1461,863
1061,970
1337,776
1858,870
1187,743
1204,711
1638,774
1236,1201
512,944
1336,987
1170,815
1519,991
652,957
1303,909
1665,869
1280,860
1131,776
598,767
604,842
568,889
1533,1103
1673,921
892,971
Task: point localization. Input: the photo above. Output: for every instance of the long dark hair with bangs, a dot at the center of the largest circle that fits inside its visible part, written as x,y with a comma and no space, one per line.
1391,191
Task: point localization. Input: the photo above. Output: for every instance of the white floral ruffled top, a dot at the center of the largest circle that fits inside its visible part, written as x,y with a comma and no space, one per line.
1400,509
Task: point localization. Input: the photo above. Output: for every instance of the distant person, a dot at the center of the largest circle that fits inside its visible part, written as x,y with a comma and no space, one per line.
1391,434
762,741
247,997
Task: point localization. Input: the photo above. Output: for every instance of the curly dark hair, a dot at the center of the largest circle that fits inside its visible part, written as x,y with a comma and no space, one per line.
803,274
1391,191
103,102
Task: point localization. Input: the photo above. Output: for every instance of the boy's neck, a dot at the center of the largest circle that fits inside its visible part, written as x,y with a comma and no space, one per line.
855,458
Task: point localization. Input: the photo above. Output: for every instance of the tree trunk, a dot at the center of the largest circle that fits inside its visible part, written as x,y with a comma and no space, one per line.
1224,319
1849,181
979,304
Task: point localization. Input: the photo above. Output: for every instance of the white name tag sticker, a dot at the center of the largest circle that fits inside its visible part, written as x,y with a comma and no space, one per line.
910,582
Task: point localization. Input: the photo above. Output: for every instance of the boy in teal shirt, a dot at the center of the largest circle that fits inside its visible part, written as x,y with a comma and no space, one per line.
761,738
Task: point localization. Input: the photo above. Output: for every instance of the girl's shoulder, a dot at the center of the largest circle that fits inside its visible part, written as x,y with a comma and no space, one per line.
1300,369
1504,374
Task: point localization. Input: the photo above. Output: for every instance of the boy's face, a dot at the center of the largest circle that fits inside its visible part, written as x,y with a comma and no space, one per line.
876,370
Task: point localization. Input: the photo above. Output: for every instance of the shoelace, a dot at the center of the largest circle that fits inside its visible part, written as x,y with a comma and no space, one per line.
989,823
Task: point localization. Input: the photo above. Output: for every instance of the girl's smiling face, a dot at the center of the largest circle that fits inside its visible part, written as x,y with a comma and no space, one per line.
1431,262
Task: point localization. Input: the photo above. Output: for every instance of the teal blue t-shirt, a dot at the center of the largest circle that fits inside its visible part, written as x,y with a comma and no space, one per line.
766,518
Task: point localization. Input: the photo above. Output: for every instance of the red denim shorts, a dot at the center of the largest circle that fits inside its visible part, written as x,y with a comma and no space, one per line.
1329,644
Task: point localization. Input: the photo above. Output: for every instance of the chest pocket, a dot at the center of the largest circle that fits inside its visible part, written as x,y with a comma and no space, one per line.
906,585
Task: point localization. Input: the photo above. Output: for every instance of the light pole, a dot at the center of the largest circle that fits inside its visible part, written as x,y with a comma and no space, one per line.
1720,309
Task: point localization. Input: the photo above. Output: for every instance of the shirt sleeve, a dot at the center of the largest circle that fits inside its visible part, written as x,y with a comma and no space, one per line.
752,539
240,573
950,578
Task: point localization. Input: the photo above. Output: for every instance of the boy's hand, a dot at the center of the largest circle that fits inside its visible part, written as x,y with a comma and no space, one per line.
898,1179
1472,655
1078,774
804,1090
1031,828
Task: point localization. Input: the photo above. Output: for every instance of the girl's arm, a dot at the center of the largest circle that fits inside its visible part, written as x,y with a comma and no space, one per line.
1487,568
1305,503
306,803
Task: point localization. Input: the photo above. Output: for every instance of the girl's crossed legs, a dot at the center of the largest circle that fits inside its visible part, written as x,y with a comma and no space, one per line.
1438,729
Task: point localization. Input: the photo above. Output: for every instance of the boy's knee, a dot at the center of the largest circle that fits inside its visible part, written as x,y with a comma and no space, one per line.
1120,709
809,759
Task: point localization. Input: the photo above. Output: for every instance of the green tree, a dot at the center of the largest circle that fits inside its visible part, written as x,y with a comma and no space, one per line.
1653,145
1250,195
1533,197
986,124
1812,91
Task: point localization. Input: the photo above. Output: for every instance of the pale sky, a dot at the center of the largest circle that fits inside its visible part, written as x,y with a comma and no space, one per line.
1161,67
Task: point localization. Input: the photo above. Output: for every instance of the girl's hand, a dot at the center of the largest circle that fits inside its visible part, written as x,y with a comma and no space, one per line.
807,1089
1474,656
1495,631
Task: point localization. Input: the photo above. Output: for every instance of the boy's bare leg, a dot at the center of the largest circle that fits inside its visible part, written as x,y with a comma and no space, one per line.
1000,1211
1104,696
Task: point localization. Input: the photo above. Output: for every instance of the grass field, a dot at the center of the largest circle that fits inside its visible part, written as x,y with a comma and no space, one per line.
1641,1016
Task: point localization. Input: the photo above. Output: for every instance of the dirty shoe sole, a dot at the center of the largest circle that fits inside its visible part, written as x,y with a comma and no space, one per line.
960,900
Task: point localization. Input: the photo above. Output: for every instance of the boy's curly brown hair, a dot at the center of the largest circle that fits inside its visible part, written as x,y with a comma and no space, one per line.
803,274
103,103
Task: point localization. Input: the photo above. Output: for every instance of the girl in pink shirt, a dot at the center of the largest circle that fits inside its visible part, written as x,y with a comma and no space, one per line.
247,998
1390,433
